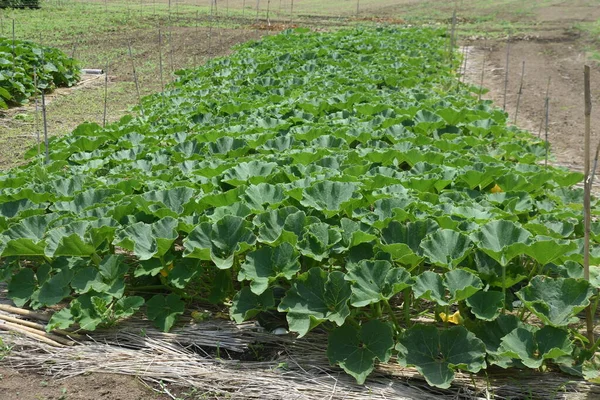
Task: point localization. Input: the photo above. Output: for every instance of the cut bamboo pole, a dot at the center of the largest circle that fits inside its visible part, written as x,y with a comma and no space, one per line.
545,104
37,122
33,328
452,42
589,317
24,312
105,95
6,326
520,92
547,117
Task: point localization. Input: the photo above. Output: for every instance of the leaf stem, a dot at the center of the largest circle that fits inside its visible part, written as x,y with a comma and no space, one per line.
392,315
406,306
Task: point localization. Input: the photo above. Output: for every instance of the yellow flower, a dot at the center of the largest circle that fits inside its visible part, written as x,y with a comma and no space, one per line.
455,318
496,189
165,271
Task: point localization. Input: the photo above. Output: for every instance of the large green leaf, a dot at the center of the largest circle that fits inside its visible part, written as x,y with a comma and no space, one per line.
373,281
446,247
328,196
220,241
556,301
163,310
148,240
355,349
316,296
486,305
502,240
532,345
267,264
437,353
21,287
247,304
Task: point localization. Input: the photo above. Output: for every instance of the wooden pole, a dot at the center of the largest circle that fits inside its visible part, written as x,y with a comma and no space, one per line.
137,86
37,124
520,93
105,94
482,69
547,117
506,72
545,106
160,61
452,42
357,7
589,318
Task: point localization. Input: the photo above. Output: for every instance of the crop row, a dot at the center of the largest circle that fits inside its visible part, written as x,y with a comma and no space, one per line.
346,180
27,68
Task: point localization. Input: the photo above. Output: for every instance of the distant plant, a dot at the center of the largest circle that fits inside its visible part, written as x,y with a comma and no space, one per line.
20,4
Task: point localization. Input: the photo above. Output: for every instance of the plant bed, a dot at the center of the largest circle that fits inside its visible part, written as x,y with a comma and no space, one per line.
347,180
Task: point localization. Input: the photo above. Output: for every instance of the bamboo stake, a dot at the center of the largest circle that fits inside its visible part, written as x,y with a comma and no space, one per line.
545,102
463,77
589,318
257,10
268,9
26,332
105,95
506,72
24,312
482,69
37,124
357,7
452,43
160,62
45,121
137,86
547,116
292,12
520,92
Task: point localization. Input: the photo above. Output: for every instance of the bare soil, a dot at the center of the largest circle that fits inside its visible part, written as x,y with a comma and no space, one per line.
555,55
16,385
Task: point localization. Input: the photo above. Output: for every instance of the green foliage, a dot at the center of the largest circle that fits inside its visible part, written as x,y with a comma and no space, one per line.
20,61
331,177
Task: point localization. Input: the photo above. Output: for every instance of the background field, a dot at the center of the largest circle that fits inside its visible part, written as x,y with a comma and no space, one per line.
554,38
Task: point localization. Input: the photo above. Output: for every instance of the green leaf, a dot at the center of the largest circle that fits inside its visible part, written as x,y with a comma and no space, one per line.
547,251
532,345
461,284
257,196
373,281
437,353
228,236
446,247
127,306
318,240
556,301
430,286
56,288
21,287
267,264
163,310
356,349
486,305
328,196
315,297
246,304
148,240
502,240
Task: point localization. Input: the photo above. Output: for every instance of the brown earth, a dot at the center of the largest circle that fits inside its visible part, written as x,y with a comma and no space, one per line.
16,385
555,54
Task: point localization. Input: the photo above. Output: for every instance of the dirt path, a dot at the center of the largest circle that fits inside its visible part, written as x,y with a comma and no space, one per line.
556,53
